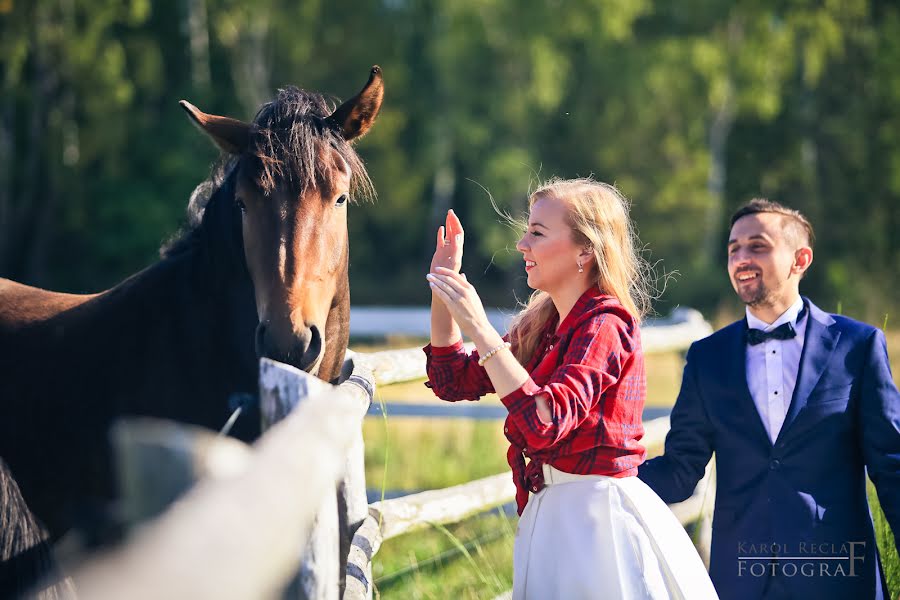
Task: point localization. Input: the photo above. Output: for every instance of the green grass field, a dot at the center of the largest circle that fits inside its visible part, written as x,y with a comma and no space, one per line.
418,453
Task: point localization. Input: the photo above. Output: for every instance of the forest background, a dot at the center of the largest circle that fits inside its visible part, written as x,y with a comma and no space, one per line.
690,107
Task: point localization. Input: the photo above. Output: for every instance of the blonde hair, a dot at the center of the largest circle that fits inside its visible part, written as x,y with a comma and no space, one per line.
598,215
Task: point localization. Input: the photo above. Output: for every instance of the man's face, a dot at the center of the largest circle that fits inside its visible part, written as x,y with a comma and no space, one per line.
761,262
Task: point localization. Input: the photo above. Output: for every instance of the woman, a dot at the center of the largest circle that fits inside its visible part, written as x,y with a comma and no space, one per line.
571,374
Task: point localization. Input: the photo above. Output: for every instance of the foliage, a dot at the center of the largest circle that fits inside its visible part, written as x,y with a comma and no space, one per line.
691,108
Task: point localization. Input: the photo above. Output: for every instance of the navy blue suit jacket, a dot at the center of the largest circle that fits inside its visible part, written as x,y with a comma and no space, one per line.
788,514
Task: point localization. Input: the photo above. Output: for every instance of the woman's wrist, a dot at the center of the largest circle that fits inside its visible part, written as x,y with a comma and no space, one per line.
486,339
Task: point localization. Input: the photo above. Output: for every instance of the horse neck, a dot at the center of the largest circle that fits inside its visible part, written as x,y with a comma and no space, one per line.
208,301
202,288
216,262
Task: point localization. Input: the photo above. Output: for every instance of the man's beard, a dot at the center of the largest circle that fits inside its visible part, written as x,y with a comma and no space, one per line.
756,297
761,296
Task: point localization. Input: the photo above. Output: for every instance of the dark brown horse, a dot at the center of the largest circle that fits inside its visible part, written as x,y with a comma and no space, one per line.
262,271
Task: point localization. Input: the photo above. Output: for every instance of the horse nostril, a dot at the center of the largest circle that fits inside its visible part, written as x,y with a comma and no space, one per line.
315,341
260,340
313,350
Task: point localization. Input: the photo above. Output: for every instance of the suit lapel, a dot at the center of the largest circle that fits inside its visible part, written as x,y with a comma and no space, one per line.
737,373
818,344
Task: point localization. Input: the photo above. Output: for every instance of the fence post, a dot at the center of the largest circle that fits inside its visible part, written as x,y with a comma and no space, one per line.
281,389
353,504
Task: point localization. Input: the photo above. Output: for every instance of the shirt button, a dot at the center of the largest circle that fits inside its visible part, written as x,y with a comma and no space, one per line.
775,464
506,430
551,347
534,488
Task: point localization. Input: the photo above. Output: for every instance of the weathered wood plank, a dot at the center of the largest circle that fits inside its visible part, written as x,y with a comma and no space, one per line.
238,536
157,461
322,571
282,389
675,332
448,505
366,542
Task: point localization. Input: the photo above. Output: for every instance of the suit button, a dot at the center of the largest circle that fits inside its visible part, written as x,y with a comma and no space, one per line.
774,464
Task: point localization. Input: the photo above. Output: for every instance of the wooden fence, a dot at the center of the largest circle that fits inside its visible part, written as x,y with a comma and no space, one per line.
219,519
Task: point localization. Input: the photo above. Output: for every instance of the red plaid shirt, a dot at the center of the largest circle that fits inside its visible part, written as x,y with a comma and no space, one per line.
591,369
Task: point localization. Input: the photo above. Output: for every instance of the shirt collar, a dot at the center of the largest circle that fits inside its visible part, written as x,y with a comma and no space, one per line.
585,301
788,316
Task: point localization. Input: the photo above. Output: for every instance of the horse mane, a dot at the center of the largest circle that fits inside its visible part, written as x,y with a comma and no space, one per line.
289,133
188,235
287,137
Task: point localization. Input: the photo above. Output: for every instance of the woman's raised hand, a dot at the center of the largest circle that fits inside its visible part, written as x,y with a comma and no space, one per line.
461,299
449,247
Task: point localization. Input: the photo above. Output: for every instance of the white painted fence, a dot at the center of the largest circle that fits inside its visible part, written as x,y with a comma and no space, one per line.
265,521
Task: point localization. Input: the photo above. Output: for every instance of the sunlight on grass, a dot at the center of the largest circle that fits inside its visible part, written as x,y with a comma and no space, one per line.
438,562
886,547
893,344
663,378
433,453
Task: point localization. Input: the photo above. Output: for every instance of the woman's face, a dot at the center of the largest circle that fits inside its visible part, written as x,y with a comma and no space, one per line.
551,256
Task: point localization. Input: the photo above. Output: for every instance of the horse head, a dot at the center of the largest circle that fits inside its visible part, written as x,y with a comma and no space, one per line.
296,173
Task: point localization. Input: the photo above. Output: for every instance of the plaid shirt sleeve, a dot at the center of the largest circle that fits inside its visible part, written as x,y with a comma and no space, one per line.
591,364
454,375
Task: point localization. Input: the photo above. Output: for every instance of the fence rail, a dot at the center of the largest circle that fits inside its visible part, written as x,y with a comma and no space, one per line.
239,534
264,521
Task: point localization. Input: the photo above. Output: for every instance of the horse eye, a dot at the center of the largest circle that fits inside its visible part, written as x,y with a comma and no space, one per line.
342,200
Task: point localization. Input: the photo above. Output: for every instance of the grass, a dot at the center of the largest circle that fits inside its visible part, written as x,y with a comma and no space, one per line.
893,344
885,539
468,560
889,558
432,453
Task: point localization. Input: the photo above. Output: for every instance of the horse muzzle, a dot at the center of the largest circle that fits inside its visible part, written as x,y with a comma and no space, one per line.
303,350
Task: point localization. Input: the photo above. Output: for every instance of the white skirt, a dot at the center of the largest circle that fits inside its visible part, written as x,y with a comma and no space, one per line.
592,536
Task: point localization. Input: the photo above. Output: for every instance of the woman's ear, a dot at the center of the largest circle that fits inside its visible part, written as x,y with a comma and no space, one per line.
587,252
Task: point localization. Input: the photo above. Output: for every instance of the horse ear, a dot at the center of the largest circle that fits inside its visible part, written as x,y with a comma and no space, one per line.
355,116
231,135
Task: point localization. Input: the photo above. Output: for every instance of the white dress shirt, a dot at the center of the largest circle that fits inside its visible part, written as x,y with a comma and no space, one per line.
772,368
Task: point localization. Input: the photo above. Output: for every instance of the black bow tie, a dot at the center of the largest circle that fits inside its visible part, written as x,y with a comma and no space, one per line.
785,331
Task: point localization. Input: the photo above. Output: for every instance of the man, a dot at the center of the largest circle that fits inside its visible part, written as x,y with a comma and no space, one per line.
797,405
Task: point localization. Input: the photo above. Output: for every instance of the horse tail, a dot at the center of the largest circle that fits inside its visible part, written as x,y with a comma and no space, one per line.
27,566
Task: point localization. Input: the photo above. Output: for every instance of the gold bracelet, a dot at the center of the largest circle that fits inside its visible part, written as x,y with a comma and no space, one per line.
490,353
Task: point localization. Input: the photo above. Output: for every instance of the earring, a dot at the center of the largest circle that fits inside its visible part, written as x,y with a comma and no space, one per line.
580,269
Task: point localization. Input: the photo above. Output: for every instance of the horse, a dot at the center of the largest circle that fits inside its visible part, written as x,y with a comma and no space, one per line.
260,270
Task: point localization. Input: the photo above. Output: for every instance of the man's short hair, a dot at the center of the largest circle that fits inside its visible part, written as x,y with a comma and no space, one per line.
797,229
